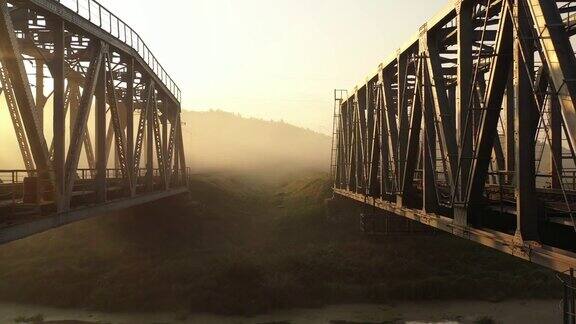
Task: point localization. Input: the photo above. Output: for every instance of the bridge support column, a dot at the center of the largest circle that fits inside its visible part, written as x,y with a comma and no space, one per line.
510,132
129,103
40,98
164,126
101,156
59,117
525,125
150,143
402,69
556,147
430,197
465,72
182,155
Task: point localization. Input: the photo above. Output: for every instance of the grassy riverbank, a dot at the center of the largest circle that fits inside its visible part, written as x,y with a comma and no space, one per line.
251,244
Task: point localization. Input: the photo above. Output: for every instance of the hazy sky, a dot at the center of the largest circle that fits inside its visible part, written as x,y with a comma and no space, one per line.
272,59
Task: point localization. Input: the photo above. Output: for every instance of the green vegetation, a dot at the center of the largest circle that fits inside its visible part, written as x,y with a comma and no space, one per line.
251,244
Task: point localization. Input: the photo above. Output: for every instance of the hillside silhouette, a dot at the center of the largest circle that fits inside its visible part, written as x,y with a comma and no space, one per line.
217,140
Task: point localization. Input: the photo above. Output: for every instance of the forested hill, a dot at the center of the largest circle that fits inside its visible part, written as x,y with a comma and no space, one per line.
217,140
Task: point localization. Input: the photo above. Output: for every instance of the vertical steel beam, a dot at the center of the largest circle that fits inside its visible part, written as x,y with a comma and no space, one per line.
353,143
464,88
370,120
117,158
526,113
341,152
164,124
510,130
182,152
376,154
346,133
176,176
403,122
74,104
451,95
172,145
101,156
361,140
129,103
140,137
430,195
351,130
40,98
59,114
159,147
556,141
150,143
383,133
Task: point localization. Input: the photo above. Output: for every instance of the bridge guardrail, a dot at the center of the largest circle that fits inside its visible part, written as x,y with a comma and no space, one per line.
12,176
18,176
98,15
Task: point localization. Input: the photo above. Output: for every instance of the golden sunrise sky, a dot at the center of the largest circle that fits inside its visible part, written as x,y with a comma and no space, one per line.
272,59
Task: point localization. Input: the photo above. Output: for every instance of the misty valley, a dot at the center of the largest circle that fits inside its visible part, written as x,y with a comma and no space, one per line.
257,239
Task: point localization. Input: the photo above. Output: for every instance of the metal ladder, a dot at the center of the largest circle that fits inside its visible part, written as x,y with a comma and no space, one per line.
339,96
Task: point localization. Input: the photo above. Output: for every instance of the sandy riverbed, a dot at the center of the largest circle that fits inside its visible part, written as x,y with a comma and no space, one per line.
525,312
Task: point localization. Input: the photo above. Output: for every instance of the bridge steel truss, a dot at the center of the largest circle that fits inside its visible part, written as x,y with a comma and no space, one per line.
110,99
471,128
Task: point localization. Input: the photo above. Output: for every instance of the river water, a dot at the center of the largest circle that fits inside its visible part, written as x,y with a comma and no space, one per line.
524,312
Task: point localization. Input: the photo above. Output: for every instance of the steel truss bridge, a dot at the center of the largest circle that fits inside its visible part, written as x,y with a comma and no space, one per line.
471,128
114,139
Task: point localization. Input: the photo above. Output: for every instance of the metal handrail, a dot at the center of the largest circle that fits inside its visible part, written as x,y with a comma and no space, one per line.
103,18
18,176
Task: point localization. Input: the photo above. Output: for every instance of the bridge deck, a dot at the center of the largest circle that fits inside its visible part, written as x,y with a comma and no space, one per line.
548,256
19,220
34,224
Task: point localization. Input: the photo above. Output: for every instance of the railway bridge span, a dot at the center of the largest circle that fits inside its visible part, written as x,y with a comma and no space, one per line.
470,128
95,115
